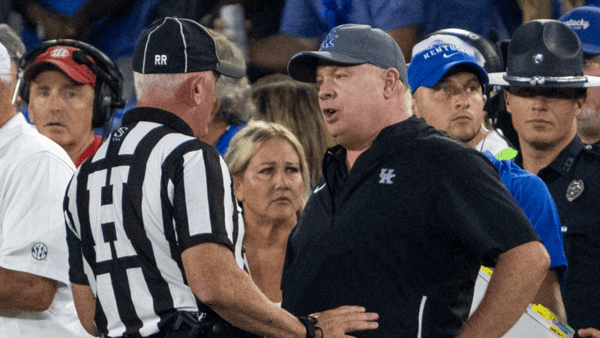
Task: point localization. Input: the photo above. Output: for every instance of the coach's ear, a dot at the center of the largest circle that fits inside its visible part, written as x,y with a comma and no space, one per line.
392,82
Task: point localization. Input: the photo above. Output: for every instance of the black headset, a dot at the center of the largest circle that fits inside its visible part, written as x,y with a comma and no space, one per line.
108,91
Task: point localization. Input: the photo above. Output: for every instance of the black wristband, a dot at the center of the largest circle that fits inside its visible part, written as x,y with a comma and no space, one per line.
309,323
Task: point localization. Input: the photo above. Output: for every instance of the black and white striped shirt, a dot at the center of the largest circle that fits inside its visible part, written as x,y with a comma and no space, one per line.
149,193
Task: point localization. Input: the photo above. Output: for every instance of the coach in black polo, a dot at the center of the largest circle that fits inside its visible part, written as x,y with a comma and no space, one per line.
406,215
153,227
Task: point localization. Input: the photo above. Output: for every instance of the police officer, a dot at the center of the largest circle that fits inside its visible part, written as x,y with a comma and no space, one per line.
545,90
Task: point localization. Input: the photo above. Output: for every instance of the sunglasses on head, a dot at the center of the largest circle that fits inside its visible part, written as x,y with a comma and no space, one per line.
552,93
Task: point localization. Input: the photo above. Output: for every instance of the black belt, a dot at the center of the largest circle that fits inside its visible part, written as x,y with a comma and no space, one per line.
183,325
196,325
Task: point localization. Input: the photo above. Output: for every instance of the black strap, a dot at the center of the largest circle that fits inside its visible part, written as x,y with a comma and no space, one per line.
309,323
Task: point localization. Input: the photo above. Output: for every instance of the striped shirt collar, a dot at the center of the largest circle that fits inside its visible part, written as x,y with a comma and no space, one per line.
159,116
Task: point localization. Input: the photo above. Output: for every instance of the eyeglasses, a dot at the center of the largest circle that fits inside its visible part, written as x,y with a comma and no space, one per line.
552,93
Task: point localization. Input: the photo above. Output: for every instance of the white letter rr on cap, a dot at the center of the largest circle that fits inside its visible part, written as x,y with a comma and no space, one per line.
160,60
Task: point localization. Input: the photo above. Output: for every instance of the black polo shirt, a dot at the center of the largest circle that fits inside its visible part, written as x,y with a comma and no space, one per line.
573,179
596,147
403,233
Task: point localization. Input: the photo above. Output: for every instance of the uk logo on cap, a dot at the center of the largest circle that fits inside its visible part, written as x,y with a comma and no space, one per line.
328,42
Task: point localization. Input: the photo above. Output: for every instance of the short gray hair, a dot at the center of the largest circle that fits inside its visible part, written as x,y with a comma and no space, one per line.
163,84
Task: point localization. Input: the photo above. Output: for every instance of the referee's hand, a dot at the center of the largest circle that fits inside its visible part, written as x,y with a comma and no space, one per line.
336,323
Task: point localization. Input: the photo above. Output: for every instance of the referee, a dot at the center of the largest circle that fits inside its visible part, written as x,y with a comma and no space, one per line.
153,228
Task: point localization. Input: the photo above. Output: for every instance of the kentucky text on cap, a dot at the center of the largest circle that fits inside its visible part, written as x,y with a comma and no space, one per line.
430,65
173,45
485,52
544,53
62,57
351,44
4,61
585,22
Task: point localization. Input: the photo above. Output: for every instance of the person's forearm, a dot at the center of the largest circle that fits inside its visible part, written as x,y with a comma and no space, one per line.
85,304
535,9
514,283
23,291
230,292
549,296
269,320
275,51
406,38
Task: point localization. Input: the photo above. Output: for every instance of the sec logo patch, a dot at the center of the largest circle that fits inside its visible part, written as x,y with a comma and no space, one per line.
39,251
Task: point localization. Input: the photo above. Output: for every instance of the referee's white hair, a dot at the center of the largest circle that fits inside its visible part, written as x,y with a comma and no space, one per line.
165,85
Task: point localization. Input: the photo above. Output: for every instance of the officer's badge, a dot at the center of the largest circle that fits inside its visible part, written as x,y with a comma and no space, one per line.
328,41
574,190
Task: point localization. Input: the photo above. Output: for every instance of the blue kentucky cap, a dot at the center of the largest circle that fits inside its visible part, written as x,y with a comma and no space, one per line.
585,22
431,64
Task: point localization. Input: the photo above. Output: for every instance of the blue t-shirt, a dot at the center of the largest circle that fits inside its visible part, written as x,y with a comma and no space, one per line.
314,18
533,196
224,140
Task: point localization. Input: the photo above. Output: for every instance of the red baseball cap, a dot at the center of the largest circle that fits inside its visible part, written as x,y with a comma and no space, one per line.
62,57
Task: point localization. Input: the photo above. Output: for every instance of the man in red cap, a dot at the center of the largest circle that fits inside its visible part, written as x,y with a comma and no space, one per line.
61,96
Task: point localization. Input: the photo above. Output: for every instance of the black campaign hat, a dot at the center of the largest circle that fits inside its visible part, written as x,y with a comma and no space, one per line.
544,53
174,45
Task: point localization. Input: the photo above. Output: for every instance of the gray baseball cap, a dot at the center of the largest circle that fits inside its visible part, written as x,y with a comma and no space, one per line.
351,44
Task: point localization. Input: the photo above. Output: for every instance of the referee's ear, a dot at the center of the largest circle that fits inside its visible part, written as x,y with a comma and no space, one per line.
196,88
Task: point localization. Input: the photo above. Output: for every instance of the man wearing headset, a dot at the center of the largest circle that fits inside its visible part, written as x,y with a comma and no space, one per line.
61,85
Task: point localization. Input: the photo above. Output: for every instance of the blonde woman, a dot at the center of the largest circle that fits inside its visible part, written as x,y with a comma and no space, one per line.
270,179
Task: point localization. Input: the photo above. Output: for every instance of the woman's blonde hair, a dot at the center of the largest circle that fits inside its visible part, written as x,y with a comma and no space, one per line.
296,105
247,141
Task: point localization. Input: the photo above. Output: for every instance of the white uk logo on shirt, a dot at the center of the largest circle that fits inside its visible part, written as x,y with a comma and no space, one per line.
386,176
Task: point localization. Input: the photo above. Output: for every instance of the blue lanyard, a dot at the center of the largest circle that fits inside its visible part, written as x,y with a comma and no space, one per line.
337,12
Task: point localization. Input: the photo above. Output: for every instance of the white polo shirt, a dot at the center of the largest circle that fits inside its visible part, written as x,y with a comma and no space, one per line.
34,174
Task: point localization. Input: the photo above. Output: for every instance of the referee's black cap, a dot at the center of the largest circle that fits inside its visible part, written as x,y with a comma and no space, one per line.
175,45
351,44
